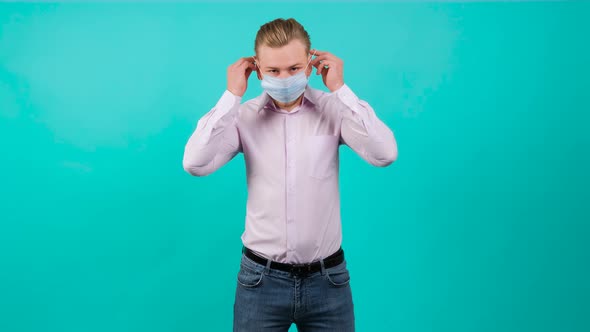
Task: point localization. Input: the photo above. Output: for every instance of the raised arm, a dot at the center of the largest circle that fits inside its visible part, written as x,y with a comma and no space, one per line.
363,131
216,140
360,127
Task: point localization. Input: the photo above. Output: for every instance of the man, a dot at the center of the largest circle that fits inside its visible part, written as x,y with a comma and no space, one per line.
292,267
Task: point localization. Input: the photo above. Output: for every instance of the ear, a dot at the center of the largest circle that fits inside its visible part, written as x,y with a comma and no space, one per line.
309,69
309,66
257,69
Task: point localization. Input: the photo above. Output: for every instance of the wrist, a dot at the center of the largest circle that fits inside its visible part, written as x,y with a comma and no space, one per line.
233,92
337,87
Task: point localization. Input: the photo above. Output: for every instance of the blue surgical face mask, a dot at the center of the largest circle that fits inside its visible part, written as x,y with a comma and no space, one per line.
286,90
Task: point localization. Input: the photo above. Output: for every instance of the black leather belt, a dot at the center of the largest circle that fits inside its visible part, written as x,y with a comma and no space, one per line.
298,269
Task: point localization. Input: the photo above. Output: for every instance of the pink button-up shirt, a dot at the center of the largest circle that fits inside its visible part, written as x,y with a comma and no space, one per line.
292,163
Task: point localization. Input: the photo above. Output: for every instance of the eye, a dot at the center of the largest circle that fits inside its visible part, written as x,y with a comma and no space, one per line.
272,70
295,68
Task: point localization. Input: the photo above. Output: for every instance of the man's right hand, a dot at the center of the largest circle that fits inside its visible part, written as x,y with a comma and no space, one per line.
237,75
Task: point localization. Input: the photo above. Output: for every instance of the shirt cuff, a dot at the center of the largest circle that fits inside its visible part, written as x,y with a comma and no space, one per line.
228,100
347,97
353,103
226,103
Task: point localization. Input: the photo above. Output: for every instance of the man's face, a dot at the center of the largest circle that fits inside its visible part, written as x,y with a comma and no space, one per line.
283,62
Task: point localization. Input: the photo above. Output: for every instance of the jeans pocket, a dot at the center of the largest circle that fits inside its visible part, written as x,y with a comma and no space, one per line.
249,277
338,275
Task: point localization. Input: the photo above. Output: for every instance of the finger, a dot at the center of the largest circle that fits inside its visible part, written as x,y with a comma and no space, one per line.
323,58
318,66
326,65
254,60
248,72
313,53
251,67
318,59
317,52
256,68
248,58
256,64
244,61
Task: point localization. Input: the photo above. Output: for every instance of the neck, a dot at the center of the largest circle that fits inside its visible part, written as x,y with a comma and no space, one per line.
289,106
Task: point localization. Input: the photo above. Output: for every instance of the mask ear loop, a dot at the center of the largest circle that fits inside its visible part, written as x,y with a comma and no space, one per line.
257,66
309,61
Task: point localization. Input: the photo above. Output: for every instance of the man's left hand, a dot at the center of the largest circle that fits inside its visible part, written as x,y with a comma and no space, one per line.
331,68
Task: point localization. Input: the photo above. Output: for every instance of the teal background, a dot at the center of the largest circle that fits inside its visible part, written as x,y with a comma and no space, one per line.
480,225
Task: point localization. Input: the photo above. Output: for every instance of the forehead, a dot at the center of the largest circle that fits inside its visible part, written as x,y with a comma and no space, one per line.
282,57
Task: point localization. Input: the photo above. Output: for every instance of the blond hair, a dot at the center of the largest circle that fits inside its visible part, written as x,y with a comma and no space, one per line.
280,32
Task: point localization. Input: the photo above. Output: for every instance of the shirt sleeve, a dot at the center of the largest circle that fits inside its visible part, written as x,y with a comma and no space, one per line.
363,131
215,140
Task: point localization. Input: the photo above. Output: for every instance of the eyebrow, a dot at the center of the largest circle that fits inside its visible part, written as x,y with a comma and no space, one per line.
297,64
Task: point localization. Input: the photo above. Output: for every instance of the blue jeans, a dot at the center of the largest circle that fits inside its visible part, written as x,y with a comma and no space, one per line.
271,300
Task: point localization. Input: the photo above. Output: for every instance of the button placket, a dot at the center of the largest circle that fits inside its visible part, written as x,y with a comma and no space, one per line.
290,174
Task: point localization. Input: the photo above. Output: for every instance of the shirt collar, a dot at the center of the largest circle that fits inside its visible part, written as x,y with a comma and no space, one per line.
268,103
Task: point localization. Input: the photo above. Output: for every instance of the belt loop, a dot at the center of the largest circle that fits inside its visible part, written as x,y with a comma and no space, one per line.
267,268
323,268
